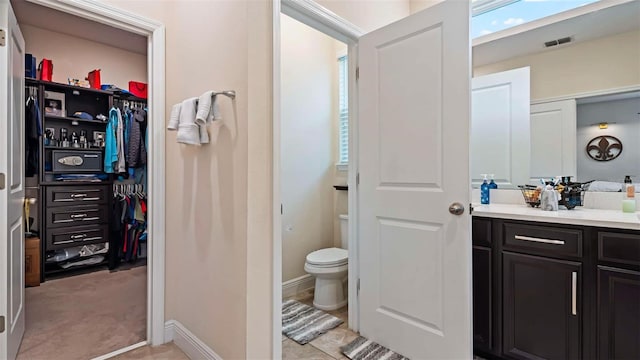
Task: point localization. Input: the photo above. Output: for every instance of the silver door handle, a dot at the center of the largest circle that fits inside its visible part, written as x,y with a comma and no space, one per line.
574,293
456,208
534,239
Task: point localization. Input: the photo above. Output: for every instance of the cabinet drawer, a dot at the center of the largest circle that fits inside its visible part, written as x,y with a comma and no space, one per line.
78,235
76,215
619,248
543,240
481,232
70,195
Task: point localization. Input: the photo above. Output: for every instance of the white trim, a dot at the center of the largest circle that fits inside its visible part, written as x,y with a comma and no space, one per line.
298,285
193,347
342,167
548,20
588,94
276,266
323,20
318,17
155,32
121,351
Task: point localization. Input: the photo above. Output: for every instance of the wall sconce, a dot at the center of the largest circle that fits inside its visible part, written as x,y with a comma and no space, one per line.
603,125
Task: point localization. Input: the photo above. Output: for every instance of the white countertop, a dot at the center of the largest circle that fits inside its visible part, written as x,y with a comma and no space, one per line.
578,216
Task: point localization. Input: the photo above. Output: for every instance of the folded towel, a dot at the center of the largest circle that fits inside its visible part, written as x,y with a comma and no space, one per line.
208,109
174,118
188,130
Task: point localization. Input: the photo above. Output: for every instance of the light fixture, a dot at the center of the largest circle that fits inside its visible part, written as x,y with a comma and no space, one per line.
603,125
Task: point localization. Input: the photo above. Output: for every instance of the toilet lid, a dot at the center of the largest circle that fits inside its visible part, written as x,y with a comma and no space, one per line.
328,257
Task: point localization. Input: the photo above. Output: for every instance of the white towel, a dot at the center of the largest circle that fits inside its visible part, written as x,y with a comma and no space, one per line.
188,130
174,118
208,109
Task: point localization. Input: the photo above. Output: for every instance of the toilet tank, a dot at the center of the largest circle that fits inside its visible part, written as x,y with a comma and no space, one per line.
344,231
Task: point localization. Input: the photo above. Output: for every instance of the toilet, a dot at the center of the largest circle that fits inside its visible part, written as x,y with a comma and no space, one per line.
329,267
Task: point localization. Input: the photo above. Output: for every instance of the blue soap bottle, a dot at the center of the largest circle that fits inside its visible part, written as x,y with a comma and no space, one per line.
492,183
484,191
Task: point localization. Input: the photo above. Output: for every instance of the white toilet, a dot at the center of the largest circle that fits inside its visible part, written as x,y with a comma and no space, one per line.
329,267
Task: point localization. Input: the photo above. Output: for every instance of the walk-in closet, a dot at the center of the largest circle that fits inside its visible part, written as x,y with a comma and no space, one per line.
86,209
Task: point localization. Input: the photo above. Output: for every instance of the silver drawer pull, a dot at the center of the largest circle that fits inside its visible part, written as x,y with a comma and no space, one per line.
78,216
546,241
574,293
63,242
90,199
78,236
78,195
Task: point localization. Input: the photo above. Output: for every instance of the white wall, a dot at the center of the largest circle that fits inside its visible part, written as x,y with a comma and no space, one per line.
605,63
309,150
74,57
625,114
369,15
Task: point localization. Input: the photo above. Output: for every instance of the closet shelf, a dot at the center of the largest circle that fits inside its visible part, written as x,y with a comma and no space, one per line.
72,148
68,118
51,85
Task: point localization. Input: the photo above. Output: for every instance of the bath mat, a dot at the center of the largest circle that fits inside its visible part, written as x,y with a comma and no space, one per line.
303,323
361,348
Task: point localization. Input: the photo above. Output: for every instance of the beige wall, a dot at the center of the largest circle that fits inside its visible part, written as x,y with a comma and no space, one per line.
369,15
417,5
604,63
208,47
309,147
74,57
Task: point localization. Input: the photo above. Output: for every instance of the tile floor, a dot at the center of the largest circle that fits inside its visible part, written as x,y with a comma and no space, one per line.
163,352
324,347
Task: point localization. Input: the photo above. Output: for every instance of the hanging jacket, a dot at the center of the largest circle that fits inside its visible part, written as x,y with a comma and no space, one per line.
33,130
137,152
111,148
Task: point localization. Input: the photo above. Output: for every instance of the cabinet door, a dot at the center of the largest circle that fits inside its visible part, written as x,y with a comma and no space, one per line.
482,313
618,314
541,308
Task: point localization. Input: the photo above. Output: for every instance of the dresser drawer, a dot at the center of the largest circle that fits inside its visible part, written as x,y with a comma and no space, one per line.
60,238
76,215
71,195
543,240
619,248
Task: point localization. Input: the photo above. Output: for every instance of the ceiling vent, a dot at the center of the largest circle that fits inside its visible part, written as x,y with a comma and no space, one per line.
561,41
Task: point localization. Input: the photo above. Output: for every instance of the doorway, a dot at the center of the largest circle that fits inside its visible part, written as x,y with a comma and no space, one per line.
151,284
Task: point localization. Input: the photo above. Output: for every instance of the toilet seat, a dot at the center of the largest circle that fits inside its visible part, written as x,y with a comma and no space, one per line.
331,257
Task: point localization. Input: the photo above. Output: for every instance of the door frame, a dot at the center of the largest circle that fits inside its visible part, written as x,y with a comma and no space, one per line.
154,31
314,15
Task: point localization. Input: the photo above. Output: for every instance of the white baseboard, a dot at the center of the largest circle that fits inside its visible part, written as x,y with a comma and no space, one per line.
121,351
193,347
295,286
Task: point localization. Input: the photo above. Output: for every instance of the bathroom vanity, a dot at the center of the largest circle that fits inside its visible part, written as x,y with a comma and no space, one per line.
556,285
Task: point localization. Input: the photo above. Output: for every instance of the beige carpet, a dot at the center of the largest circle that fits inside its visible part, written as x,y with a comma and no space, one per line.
85,316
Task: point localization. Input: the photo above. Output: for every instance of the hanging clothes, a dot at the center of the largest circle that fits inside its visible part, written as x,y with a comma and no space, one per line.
128,227
33,131
137,151
111,146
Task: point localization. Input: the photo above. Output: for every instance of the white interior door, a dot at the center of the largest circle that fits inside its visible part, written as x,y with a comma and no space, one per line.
11,183
500,134
553,139
415,256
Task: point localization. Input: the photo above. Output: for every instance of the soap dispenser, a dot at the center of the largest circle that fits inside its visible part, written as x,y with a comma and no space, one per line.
484,191
492,183
629,196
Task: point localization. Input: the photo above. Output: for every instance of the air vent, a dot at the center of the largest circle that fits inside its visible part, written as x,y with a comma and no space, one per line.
561,41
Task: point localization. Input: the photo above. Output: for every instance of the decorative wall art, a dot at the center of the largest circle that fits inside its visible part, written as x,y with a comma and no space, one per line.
604,148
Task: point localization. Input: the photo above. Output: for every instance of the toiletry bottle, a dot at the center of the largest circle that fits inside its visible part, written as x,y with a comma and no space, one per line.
492,183
629,196
484,191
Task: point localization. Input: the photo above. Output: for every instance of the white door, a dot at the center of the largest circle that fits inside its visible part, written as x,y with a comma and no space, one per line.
500,142
415,256
11,183
553,139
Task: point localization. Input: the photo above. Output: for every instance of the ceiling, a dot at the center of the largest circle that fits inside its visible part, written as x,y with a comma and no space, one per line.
582,24
53,20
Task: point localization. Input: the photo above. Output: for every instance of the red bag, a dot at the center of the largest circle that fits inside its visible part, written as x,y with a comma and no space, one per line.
46,69
94,79
138,89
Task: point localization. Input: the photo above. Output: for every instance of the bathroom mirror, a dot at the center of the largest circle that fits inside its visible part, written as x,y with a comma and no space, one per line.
590,77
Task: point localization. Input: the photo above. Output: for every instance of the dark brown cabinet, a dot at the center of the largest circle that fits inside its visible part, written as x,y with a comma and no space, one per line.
618,313
541,307
482,304
555,291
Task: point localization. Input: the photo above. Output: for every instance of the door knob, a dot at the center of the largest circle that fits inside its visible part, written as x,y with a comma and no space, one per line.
456,209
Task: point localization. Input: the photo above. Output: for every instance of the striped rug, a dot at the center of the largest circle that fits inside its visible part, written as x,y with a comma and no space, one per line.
303,323
361,348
